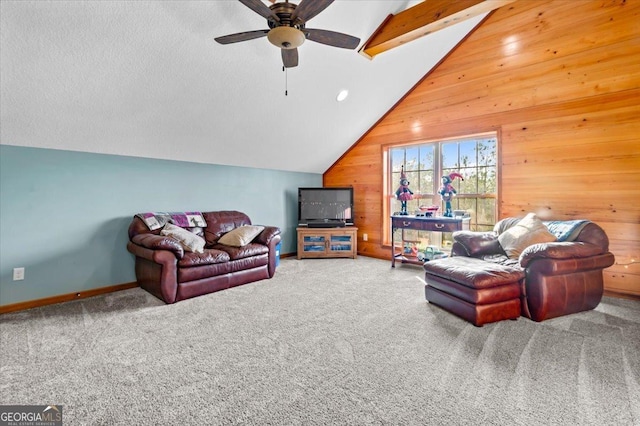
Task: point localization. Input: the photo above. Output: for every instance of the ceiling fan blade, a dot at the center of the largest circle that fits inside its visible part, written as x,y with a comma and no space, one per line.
307,9
332,38
247,35
290,57
260,8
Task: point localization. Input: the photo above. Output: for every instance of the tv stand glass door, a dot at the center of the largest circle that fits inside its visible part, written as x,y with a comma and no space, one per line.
327,242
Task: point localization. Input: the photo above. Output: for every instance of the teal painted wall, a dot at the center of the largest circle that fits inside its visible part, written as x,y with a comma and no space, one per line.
64,215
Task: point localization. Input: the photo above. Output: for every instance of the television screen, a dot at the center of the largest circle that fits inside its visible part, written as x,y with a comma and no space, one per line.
325,205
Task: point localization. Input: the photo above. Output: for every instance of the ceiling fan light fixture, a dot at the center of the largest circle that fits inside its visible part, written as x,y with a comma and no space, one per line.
286,37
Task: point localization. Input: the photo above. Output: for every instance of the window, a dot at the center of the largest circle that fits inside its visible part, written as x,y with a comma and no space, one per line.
475,157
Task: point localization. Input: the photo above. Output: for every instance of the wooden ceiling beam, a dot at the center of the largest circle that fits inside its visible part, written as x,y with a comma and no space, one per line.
423,19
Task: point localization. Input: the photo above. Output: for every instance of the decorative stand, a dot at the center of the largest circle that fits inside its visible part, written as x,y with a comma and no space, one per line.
437,224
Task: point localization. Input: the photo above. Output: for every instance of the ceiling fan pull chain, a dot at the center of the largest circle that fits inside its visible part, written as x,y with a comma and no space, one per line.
285,81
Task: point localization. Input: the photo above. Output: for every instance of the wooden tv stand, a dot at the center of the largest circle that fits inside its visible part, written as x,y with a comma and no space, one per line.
327,242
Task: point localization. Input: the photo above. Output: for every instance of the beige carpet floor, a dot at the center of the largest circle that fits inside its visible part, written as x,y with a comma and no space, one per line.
325,342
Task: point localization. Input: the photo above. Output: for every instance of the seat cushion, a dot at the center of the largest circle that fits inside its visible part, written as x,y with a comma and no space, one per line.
473,273
209,257
243,252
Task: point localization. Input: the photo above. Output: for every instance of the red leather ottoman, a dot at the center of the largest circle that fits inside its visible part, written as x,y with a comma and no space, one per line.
475,290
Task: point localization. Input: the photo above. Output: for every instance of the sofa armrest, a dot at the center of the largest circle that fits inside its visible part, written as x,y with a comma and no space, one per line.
270,236
267,234
558,250
476,244
157,242
156,271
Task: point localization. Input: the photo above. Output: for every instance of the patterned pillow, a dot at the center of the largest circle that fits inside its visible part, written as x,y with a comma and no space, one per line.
188,240
240,236
529,231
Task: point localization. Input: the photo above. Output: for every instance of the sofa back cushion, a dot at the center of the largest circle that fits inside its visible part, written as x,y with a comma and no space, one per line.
590,232
137,226
221,222
478,244
505,224
218,223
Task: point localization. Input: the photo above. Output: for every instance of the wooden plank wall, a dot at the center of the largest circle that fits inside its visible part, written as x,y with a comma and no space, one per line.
560,81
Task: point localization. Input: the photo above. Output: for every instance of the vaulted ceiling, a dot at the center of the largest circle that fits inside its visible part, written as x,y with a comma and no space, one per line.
146,78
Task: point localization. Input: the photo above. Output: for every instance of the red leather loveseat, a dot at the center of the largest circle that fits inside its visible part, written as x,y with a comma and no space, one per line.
172,273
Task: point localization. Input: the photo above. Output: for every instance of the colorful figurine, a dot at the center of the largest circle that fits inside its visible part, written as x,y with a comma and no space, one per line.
447,191
403,193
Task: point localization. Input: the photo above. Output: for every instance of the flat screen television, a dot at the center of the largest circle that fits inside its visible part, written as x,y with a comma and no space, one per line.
325,207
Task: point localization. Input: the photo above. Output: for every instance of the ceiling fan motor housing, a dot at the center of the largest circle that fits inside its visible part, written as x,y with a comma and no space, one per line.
285,34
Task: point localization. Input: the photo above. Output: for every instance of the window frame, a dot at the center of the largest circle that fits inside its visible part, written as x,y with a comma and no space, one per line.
388,188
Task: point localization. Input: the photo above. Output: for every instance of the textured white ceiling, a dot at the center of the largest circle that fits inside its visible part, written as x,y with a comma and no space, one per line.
145,78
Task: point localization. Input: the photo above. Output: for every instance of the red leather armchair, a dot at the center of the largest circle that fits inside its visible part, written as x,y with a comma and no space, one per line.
561,277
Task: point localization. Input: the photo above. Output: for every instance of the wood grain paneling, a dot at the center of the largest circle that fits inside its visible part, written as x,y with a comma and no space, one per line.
559,80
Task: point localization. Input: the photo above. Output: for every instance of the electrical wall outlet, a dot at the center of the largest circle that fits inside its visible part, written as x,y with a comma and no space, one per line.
18,274
365,237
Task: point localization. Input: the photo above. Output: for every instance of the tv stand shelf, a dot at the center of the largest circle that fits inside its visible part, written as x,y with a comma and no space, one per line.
327,242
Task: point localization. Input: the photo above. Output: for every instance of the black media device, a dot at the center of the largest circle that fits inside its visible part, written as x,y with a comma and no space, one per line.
325,207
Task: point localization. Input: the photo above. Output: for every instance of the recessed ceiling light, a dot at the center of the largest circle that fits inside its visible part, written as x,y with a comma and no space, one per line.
342,95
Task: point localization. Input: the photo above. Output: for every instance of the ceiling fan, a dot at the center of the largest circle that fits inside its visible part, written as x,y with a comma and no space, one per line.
287,28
